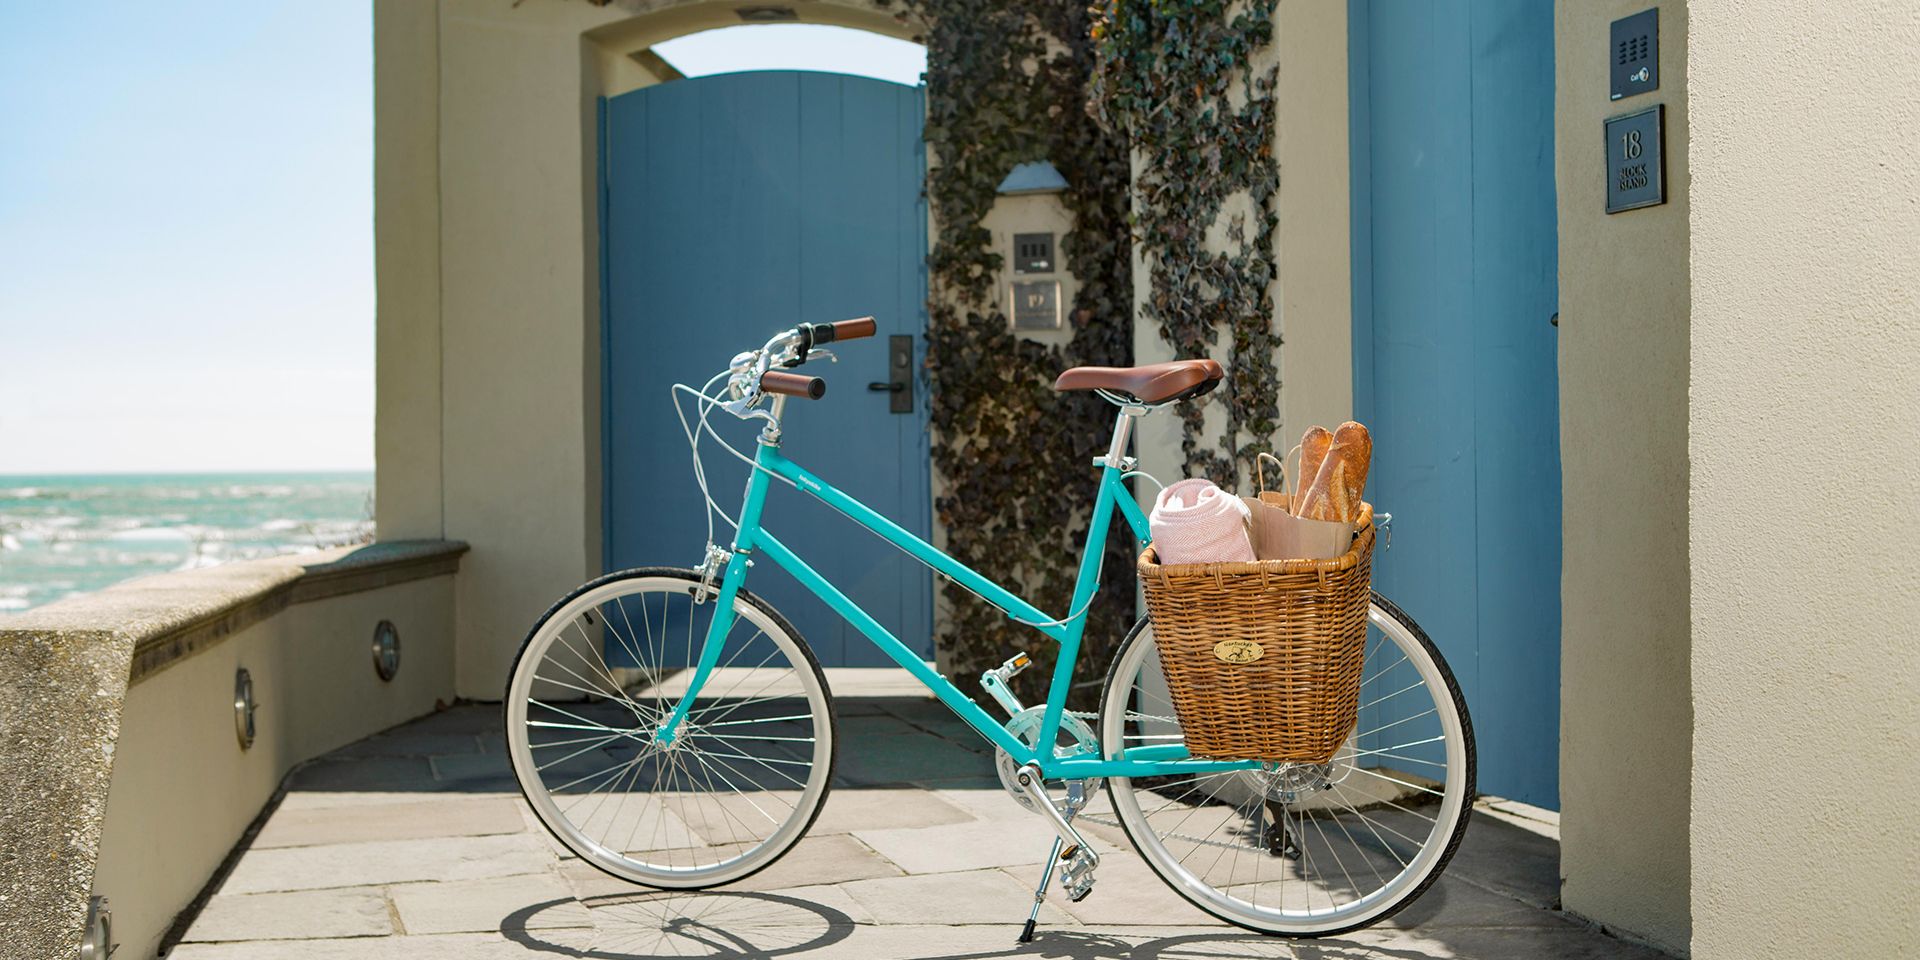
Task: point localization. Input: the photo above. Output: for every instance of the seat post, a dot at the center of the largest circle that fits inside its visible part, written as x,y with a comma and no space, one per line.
1122,432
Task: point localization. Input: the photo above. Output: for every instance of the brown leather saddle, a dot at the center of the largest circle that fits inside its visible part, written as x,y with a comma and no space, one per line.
1153,383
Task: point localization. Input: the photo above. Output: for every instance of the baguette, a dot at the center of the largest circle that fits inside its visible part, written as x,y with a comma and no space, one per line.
1313,450
1337,487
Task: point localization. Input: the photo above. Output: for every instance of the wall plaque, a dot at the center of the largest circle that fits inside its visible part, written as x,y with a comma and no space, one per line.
1636,164
1036,304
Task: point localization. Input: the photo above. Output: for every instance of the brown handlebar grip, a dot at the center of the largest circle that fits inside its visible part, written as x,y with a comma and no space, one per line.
853,329
793,385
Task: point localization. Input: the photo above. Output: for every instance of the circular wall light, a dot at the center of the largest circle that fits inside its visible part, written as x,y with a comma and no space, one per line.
386,649
243,707
97,943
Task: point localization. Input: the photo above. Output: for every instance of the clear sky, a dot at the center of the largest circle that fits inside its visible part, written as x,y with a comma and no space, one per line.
796,46
186,226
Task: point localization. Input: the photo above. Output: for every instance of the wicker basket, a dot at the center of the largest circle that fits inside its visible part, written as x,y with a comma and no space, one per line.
1263,659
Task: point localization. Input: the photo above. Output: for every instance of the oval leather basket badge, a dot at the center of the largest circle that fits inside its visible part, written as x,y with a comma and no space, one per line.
1238,651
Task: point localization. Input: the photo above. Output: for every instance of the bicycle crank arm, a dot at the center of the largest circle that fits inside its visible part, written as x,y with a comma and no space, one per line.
1083,857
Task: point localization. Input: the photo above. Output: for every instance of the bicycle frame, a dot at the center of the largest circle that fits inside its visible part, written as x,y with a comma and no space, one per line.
752,540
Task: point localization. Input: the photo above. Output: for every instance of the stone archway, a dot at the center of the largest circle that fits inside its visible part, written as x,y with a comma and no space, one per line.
490,391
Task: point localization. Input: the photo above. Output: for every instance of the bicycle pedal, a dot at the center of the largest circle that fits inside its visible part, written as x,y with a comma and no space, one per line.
1076,878
995,682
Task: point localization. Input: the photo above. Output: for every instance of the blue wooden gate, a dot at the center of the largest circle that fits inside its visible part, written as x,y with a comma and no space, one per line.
1454,238
735,206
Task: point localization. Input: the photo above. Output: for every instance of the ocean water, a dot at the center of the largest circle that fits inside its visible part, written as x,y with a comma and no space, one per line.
61,535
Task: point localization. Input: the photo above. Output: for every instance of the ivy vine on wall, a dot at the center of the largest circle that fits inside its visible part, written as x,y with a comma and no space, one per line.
1191,84
1007,83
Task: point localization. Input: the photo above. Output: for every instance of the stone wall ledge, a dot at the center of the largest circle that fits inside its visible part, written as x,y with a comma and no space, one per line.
168,617
64,673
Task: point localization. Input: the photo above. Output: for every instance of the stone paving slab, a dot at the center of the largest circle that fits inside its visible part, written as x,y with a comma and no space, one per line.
363,773
1517,863
1565,941
387,861
971,844
453,816
815,860
977,896
1455,901
906,756
308,914
463,946
469,906
850,808
917,854
470,766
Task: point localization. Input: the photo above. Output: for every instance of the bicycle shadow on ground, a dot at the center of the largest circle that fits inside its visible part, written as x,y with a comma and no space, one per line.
1078,945
765,926
664,923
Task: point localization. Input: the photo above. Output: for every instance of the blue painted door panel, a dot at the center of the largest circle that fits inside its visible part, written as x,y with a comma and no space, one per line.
1455,240
735,206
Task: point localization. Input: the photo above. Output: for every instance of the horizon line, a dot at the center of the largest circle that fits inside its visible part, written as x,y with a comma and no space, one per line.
174,472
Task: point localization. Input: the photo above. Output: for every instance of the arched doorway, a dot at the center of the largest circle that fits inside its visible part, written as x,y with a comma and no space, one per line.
734,206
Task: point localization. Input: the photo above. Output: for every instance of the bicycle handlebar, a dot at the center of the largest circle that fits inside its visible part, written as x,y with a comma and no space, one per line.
819,333
793,385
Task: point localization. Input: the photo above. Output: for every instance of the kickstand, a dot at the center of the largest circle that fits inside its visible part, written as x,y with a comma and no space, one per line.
1280,840
1040,892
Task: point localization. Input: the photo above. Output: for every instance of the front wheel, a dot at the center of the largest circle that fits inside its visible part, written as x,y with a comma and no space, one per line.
1305,849
736,788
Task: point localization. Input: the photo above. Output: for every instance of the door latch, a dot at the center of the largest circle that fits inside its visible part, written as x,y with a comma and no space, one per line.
899,382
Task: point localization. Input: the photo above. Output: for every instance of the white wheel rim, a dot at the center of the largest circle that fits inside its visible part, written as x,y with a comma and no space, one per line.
1360,911
764,850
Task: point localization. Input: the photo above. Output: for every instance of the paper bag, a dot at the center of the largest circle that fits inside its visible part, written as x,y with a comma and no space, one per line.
1277,534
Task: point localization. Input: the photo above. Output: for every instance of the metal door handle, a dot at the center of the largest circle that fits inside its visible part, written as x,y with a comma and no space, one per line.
899,383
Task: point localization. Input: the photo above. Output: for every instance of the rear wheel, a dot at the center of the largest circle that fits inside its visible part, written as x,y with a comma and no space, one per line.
1305,849
739,784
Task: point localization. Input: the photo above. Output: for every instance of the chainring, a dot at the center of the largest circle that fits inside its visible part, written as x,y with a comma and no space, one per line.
1026,726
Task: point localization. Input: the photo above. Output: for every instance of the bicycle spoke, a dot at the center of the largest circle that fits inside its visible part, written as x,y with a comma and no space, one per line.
1403,783
586,749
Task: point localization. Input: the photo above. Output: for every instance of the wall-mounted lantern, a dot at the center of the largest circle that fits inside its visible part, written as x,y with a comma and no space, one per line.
386,650
1026,223
244,707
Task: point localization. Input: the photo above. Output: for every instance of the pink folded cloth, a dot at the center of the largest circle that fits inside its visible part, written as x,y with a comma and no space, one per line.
1194,521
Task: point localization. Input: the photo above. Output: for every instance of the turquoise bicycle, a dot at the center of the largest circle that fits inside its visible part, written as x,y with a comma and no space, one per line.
673,730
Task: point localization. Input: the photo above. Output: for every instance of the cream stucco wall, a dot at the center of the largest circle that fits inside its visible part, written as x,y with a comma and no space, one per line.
1314,294
1805,380
406,215
519,329
488,419
1624,707
183,792
1316,266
